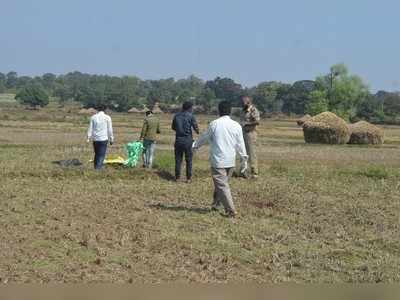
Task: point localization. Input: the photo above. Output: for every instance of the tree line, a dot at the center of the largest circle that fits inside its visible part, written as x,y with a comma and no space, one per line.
338,91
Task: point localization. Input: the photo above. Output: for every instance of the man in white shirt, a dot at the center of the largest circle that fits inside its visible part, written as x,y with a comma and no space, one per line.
225,137
100,132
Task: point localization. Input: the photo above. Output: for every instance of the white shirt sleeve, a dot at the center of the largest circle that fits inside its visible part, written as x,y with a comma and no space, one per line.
110,130
90,129
203,139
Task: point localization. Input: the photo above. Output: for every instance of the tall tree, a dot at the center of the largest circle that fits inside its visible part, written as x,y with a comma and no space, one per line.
317,103
3,79
268,96
345,91
297,96
226,89
33,95
12,79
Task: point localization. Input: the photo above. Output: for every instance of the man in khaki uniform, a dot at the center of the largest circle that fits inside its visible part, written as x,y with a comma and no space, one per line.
151,127
250,119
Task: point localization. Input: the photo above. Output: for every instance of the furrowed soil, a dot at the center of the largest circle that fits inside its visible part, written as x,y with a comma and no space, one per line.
320,214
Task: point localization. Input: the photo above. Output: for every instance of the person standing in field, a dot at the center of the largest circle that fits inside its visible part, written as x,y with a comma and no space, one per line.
225,137
183,124
150,129
250,119
101,133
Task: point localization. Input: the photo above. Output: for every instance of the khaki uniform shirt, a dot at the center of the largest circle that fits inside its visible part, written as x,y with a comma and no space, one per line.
250,118
151,127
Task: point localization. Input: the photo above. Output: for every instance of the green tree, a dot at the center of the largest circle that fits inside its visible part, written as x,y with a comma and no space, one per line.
48,80
371,110
268,96
391,104
12,79
33,95
296,97
317,103
345,91
207,99
226,89
3,80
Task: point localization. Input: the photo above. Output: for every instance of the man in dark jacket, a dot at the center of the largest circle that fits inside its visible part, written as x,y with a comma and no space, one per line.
183,124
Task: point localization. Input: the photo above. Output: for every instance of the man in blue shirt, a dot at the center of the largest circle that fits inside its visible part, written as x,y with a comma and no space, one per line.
183,124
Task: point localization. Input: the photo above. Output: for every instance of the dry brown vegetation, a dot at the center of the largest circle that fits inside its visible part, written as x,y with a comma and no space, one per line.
318,213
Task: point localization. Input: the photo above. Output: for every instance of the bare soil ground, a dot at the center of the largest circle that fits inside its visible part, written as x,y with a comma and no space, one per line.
317,213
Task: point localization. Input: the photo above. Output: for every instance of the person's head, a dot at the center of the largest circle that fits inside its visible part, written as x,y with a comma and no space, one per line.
101,107
149,112
187,106
246,101
224,108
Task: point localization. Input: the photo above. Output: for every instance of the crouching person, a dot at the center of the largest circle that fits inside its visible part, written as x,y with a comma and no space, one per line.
151,127
225,137
101,133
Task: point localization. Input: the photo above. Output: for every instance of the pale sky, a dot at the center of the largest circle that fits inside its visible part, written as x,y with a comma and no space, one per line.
250,41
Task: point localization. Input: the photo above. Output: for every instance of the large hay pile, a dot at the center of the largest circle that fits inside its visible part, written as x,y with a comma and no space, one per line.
326,128
364,133
302,120
134,110
156,108
89,111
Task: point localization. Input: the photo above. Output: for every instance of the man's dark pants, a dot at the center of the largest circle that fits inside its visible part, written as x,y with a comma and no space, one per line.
183,148
100,149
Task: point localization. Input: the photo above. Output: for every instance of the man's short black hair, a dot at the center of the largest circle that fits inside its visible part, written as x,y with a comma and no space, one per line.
187,106
224,108
149,112
101,107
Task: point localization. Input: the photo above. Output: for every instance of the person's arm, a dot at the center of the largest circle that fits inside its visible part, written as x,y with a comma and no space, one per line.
110,131
254,118
90,130
203,139
241,150
195,125
174,124
158,127
144,130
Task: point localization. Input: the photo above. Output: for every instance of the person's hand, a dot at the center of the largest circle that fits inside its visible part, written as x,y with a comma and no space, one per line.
243,167
194,148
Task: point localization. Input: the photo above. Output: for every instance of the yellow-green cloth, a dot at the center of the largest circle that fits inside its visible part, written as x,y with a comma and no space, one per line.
134,150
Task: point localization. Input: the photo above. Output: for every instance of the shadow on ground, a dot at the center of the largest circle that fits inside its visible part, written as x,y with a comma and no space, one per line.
178,208
165,175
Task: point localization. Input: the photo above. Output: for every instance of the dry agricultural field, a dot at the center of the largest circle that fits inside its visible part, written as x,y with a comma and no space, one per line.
316,214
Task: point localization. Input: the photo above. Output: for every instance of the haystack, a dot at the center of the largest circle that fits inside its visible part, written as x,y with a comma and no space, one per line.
157,109
364,133
89,111
92,111
326,128
302,120
145,109
134,110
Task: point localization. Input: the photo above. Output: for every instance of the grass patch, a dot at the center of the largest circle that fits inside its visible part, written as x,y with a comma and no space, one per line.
316,214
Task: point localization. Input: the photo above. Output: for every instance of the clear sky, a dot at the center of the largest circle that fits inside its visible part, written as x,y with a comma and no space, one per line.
250,41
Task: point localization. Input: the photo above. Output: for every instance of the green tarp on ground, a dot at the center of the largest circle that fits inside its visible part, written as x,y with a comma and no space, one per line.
133,151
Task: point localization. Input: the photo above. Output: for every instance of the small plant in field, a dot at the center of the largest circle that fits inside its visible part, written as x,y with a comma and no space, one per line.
164,161
376,172
279,168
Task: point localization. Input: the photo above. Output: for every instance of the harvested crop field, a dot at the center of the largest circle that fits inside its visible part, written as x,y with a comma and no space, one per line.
318,213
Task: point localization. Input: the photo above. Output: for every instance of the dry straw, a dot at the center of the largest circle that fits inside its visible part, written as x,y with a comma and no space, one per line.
326,128
365,133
